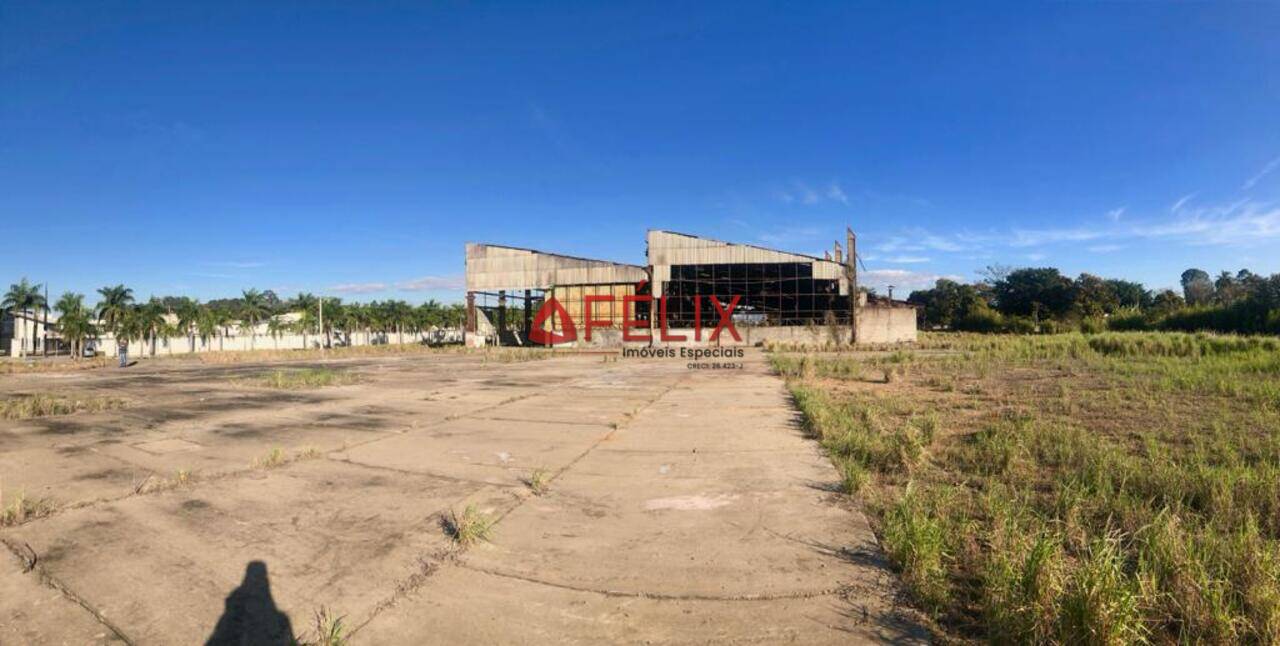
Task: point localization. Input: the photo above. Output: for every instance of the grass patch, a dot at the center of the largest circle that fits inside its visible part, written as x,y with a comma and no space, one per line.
468,528
539,481
304,378
20,508
328,629
41,405
1112,488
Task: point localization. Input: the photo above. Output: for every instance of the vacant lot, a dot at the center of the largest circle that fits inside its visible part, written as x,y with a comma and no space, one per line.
1105,489
427,498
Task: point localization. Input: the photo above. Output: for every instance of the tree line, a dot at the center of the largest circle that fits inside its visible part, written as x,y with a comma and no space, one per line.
118,313
1041,299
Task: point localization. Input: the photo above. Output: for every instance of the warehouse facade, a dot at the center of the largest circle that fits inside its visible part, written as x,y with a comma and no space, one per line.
691,286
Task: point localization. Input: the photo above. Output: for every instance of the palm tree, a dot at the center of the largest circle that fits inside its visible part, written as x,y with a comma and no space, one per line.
23,296
305,323
129,326
253,309
114,307
303,302
188,311
150,322
277,327
223,319
73,322
206,325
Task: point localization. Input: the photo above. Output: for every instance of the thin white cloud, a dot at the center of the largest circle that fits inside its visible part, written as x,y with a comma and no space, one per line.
805,194
1241,223
237,264
1253,181
799,192
834,192
358,288
432,283
1115,214
1035,238
789,236
1182,201
903,280
906,260
1105,248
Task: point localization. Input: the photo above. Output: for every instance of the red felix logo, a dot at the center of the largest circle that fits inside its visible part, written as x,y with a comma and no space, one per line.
569,332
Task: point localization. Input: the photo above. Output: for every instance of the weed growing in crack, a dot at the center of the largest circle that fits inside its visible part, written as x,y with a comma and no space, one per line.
469,527
271,460
538,481
329,630
22,509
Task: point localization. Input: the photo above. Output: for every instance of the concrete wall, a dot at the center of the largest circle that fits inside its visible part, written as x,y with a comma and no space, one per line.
887,325
106,345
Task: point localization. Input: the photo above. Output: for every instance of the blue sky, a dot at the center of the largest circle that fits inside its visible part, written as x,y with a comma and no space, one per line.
352,148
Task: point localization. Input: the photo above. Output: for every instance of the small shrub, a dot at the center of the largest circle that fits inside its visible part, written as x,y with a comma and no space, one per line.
916,541
853,476
21,509
271,460
469,527
329,630
538,481
1101,604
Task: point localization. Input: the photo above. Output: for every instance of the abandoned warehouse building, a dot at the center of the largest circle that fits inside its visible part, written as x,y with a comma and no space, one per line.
781,296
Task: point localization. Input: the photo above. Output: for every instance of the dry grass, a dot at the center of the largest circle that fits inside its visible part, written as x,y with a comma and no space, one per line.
20,508
42,405
539,480
277,457
501,355
329,630
10,366
468,528
301,379
1113,488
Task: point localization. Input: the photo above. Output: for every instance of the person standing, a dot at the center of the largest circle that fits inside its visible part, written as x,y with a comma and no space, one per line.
122,349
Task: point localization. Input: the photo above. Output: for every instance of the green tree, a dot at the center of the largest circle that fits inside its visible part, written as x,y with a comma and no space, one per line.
207,325
23,297
277,327
252,310
114,307
150,323
1167,301
74,323
188,312
1197,289
1130,294
1034,292
1094,296
947,302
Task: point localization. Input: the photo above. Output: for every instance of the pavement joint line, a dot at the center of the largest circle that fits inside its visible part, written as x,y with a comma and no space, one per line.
47,579
658,596
233,473
408,472
542,421
453,556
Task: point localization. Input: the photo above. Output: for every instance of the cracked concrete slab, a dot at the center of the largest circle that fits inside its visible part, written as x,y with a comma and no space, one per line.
684,507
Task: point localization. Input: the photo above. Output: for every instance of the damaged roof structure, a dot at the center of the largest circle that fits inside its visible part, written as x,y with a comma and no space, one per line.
779,295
